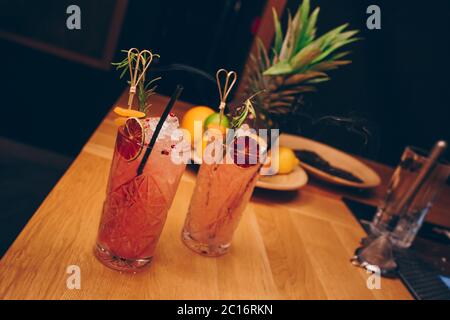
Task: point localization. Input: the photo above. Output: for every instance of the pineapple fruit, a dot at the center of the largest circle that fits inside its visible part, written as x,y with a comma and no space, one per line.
296,64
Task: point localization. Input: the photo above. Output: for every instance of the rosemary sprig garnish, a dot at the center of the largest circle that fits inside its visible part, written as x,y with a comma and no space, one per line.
244,112
145,88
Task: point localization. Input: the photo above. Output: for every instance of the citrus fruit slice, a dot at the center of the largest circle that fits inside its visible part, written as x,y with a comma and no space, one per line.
130,139
120,121
128,112
213,121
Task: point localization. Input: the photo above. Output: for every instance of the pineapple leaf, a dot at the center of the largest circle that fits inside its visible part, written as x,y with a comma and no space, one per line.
303,14
311,29
333,48
328,37
305,56
330,65
288,43
282,67
346,35
278,32
340,55
265,62
318,80
296,79
304,10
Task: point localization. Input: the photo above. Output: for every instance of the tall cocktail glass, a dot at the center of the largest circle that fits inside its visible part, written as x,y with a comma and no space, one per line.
136,206
221,194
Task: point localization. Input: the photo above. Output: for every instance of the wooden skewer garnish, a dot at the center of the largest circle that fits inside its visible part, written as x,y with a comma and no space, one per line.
225,89
138,64
136,72
133,74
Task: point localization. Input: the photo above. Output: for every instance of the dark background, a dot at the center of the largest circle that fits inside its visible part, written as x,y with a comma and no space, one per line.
45,20
397,90
398,84
62,101
397,87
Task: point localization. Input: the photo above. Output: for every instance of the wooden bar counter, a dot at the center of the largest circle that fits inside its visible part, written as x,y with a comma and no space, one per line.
288,246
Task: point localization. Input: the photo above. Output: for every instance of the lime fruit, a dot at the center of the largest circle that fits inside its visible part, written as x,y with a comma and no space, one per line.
214,121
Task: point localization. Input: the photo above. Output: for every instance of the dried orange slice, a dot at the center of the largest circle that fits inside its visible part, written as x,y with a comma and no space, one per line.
120,121
130,139
129,113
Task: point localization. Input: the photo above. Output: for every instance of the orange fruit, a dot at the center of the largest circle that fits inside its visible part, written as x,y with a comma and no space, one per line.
200,114
130,139
128,113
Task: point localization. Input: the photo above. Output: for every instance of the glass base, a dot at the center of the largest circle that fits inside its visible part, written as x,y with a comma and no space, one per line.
204,249
120,264
401,237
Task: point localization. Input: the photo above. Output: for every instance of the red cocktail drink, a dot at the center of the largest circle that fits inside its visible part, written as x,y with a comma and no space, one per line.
136,205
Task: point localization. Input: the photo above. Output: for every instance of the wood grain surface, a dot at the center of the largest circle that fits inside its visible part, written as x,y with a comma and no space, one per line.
294,245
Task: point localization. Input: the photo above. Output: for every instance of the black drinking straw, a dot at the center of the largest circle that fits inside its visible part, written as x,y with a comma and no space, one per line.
158,128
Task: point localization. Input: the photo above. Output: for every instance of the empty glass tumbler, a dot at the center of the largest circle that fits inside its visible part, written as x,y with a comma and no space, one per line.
402,222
